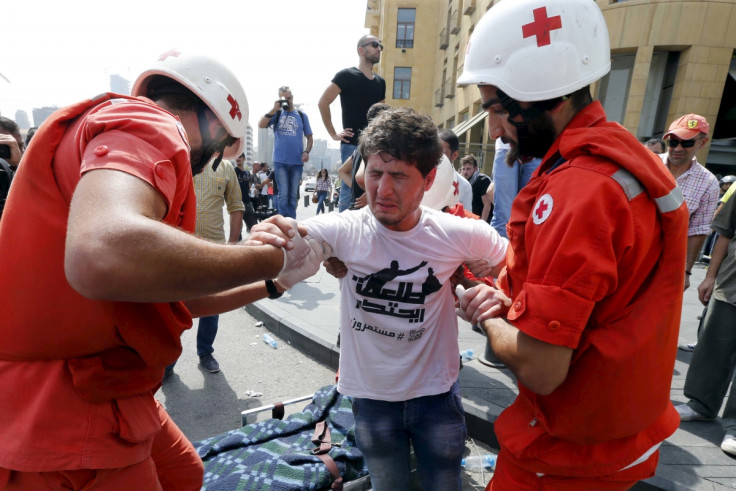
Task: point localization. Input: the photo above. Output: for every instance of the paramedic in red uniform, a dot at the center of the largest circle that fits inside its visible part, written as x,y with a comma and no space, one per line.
589,308
101,274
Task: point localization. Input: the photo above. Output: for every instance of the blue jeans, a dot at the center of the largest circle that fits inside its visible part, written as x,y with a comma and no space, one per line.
321,196
509,181
206,332
287,181
435,427
346,150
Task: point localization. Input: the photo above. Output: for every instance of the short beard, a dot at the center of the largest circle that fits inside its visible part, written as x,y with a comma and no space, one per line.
534,140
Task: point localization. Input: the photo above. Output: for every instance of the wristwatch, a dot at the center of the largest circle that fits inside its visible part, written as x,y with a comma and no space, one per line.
273,293
269,116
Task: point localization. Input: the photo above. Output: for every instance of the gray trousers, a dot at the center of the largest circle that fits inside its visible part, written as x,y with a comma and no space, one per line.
712,366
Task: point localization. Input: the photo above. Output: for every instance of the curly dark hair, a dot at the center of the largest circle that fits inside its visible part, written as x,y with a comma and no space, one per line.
405,135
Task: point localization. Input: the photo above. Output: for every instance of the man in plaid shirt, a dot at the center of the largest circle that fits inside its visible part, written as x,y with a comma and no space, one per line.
685,137
214,188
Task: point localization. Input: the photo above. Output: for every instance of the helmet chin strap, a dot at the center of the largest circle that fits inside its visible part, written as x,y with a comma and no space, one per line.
210,147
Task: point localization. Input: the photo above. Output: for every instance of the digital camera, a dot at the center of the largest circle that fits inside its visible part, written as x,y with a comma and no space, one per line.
284,103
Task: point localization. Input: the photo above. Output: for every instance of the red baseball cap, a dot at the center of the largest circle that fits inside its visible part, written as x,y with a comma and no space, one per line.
688,127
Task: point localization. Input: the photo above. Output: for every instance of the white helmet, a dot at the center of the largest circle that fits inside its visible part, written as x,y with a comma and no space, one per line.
536,50
209,80
445,190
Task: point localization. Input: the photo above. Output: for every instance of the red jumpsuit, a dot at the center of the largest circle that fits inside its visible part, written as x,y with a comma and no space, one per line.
595,263
77,376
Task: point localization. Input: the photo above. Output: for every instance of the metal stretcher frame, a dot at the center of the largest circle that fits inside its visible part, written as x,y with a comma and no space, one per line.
271,407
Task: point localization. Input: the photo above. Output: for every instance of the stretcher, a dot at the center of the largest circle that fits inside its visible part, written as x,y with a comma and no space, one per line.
313,449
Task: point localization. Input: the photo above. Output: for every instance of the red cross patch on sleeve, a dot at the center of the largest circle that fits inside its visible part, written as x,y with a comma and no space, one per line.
542,209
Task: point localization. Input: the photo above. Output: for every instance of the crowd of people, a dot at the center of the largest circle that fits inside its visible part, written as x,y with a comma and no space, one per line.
128,246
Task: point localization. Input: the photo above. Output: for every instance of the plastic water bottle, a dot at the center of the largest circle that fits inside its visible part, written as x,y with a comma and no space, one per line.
487,461
269,340
467,354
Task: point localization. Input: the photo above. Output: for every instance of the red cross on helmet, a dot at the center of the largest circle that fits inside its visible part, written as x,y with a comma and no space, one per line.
535,50
209,80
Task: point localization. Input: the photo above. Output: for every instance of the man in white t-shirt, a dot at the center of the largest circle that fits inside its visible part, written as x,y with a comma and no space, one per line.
399,350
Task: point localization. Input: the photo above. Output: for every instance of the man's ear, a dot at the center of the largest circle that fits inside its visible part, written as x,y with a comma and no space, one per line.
430,179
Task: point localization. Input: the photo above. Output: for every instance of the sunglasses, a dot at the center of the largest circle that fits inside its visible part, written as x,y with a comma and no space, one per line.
375,44
672,143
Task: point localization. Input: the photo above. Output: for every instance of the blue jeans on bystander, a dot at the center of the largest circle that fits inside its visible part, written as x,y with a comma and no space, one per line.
321,196
287,181
206,332
435,427
346,150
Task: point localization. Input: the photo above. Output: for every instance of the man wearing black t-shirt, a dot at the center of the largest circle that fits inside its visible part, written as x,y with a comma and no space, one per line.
359,88
482,202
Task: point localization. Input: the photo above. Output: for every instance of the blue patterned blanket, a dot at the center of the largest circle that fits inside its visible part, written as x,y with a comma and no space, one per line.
275,455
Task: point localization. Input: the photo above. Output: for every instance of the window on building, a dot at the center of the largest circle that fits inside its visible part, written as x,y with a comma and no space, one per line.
722,155
658,94
405,28
614,87
402,82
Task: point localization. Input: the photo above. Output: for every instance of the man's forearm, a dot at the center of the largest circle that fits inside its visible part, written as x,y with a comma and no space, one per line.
327,121
310,142
541,367
486,208
345,172
157,263
719,252
228,300
694,245
236,226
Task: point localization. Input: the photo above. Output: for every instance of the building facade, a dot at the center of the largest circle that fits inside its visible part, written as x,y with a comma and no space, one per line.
249,147
41,113
669,58
119,84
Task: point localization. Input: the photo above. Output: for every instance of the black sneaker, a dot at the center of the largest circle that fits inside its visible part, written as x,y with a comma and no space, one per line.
209,363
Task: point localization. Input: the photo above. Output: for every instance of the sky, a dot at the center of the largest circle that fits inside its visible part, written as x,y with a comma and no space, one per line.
56,53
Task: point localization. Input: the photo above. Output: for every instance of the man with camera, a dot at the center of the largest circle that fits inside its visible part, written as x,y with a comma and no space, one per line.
290,126
11,150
